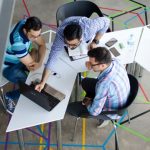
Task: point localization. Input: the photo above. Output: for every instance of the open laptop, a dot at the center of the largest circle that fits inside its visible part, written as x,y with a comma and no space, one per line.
48,98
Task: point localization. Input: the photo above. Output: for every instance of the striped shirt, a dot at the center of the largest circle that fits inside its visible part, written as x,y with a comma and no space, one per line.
90,27
18,45
112,89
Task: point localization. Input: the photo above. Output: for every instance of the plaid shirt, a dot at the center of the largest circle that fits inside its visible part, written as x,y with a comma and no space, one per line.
112,89
90,27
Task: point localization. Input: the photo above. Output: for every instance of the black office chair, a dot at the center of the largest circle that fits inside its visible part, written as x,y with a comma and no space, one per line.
77,8
121,111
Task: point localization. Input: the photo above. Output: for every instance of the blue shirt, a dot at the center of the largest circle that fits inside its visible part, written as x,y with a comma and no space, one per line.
90,27
112,89
18,45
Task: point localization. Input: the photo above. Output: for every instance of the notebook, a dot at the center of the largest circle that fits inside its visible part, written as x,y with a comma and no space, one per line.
48,98
77,53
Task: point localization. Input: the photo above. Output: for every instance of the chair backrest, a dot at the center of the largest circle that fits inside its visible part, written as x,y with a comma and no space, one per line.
134,86
77,8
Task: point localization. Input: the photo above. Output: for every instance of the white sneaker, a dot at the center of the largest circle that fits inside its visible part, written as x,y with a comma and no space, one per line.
10,105
103,124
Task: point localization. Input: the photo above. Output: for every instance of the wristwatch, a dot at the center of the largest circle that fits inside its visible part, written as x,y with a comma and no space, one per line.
95,41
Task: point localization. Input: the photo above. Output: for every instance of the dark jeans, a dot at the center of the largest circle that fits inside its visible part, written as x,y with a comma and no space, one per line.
76,108
15,73
88,84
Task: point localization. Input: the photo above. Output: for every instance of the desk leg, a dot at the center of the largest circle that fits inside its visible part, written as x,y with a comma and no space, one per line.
58,135
20,139
77,87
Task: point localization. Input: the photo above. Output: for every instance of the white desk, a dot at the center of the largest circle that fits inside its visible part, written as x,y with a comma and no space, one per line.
127,56
143,53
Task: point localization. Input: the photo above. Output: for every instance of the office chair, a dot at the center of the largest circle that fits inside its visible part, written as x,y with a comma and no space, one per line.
77,8
120,112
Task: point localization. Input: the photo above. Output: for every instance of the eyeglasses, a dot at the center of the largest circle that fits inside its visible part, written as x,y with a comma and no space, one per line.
73,46
92,65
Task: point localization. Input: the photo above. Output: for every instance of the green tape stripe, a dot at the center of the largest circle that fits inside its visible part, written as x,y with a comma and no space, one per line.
135,3
123,11
146,102
141,99
147,8
69,1
120,24
133,132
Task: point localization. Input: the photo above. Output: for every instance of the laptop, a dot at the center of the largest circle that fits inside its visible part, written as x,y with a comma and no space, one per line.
48,98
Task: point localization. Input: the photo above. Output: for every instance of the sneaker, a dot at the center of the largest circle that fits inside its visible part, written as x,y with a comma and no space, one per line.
10,105
103,124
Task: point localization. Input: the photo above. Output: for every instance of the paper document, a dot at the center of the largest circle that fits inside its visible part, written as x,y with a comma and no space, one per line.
81,50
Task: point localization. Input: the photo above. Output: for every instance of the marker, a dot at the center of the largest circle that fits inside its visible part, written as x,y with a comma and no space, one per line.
56,74
121,45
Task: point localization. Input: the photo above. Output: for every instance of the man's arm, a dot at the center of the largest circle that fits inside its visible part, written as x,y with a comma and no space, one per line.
101,25
41,54
27,60
42,49
57,46
45,76
20,51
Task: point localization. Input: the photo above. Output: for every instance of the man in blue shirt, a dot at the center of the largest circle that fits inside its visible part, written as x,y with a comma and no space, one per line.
71,33
20,58
109,91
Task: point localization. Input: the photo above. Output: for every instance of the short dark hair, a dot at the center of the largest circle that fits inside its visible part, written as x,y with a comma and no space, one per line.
72,31
33,23
101,55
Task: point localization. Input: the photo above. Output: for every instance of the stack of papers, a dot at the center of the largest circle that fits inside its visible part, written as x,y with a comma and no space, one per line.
79,52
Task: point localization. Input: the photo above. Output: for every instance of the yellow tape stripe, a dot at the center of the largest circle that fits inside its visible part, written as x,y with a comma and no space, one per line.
83,123
41,139
83,132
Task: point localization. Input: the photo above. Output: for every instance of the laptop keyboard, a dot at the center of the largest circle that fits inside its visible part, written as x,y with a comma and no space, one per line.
52,100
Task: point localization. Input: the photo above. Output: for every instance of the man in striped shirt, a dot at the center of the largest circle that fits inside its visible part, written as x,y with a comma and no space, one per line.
71,33
20,58
109,91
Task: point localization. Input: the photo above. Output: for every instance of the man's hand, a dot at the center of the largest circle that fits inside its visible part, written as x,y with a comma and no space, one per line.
39,86
88,65
33,66
86,101
91,46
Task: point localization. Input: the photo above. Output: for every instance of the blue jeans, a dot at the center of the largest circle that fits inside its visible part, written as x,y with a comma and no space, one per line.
15,73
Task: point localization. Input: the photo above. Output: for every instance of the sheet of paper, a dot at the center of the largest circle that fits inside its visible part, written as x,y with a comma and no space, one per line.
78,57
82,49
